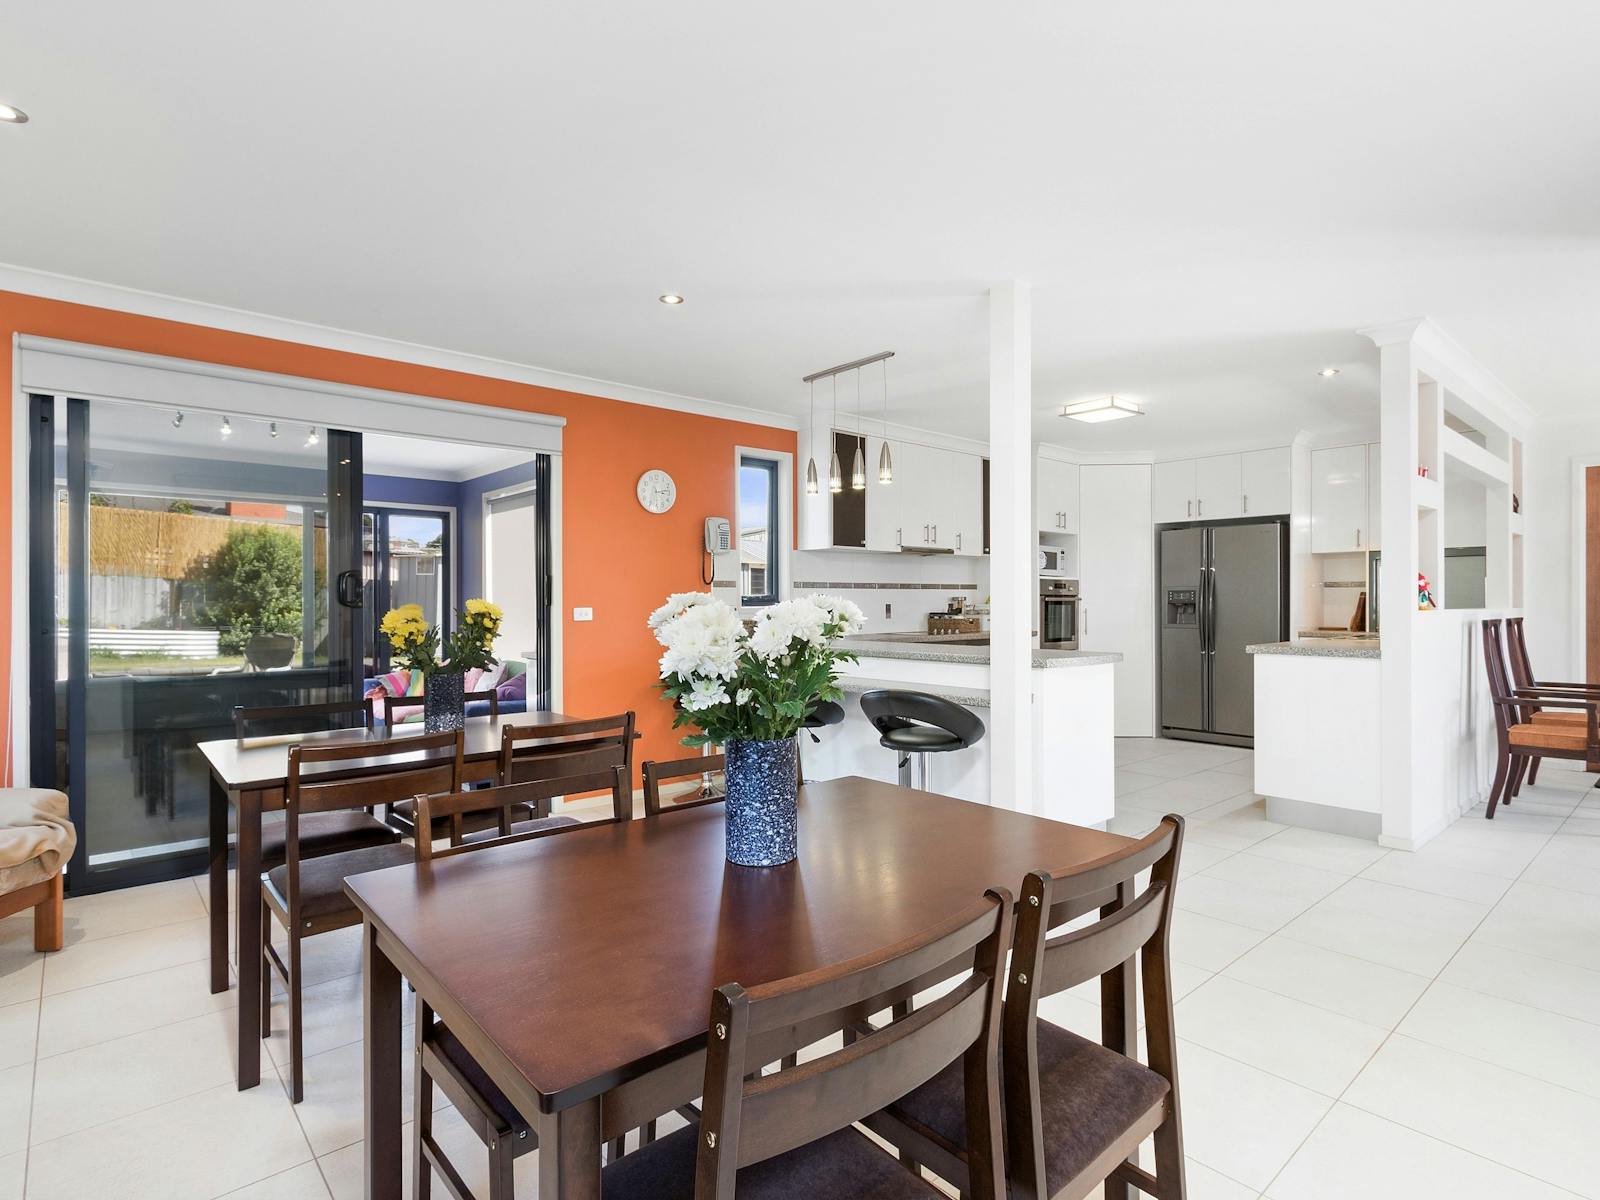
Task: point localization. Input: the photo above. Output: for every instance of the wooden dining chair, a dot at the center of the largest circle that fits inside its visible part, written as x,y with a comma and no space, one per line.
440,1056
391,703
1520,739
308,897
1076,1110
1522,681
324,832
657,773
790,1134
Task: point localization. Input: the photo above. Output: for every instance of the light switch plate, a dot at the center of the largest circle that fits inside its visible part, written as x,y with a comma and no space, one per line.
583,614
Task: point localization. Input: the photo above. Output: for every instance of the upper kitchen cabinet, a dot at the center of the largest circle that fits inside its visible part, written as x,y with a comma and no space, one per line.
1221,486
1056,495
1339,499
1172,491
1265,480
934,505
1218,487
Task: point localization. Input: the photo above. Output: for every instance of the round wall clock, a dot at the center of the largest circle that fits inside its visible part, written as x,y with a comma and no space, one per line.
656,491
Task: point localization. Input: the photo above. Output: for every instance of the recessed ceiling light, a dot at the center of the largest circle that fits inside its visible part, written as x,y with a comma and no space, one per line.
1102,408
15,115
670,298
1328,372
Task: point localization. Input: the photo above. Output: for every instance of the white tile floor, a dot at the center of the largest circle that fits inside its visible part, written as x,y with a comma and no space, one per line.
1355,1022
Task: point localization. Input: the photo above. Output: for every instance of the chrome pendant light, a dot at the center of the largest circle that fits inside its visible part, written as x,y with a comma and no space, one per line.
858,465
835,471
811,460
885,462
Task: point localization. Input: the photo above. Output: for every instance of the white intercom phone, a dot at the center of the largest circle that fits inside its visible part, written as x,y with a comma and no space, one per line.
719,535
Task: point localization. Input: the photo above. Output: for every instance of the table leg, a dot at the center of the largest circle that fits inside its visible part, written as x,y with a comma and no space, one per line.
569,1153
380,988
218,871
249,939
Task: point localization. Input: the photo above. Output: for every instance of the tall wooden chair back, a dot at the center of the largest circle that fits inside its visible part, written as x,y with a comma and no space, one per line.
1494,665
1131,926
281,719
536,794
390,703
1517,646
533,752
748,1118
657,773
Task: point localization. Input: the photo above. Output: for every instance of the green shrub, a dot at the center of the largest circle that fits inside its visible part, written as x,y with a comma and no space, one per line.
253,585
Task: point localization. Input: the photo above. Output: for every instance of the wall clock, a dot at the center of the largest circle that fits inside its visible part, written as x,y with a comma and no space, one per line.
656,491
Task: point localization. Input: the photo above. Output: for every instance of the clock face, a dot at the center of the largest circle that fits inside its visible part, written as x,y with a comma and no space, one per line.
656,491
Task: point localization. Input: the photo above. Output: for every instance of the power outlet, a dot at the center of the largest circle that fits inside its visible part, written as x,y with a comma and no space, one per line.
583,614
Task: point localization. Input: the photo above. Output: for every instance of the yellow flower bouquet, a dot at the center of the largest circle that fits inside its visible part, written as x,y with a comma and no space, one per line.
416,644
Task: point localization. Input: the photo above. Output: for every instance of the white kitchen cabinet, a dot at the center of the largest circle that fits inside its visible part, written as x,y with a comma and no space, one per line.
965,491
883,503
1056,495
935,501
1116,569
1218,487
1265,480
1172,486
1339,499
1373,533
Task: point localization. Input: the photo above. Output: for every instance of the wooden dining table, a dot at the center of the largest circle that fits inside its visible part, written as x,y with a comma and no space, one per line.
250,778
578,969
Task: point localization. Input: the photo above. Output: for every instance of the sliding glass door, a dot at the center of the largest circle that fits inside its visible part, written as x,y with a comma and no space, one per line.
182,564
406,557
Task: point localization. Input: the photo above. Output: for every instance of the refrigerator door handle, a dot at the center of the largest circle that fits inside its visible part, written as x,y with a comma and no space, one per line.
1211,614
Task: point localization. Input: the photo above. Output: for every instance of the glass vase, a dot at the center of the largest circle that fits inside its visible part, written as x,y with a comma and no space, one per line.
762,822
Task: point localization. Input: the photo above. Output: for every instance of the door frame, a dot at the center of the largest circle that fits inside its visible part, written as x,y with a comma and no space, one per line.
451,555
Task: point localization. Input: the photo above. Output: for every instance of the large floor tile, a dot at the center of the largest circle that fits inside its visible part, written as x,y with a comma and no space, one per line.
1207,943
1241,1121
1324,851
1408,870
1377,939
1313,1047
1528,979
113,1079
1125,781
1567,862
21,967
106,914
1354,987
1253,868
16,1100
331,1113
1550,922
335,955
331,1017
199,1147
13,1172
1132,750
1438,914
121,955
1206,1184
1259,908
1353,1153
1189,761
297,1183
1197,856
1516,1120
19,1033
1234,824
1560,1050
103,1011
1483,848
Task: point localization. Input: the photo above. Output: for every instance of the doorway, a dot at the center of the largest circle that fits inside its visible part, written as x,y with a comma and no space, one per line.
406,557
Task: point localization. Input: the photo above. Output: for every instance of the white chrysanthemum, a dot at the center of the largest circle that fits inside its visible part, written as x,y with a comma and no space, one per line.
705,693
677,604
742,696
702,640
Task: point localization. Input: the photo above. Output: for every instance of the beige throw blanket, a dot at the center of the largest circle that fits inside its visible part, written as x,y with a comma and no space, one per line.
36,839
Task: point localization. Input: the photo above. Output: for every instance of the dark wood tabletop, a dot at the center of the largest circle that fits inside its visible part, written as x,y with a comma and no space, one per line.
625,929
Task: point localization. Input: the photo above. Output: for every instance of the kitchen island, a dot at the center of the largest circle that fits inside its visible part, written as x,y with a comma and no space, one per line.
1073,709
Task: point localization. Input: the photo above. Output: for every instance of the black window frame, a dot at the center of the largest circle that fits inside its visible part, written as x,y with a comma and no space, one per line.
772,468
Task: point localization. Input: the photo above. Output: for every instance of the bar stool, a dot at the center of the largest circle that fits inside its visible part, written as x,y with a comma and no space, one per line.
824,714
915,725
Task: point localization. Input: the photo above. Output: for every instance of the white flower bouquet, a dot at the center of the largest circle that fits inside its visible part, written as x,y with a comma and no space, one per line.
754,685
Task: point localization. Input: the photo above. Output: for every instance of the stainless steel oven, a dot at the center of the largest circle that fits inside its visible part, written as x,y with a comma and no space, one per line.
1058,614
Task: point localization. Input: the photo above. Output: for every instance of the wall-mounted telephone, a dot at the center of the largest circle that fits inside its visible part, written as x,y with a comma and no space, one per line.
719,540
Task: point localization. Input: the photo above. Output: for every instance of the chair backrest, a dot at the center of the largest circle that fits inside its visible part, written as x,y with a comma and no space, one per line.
533,752
1129,926
1517,652
657,773
390,703
746,1120
1494,665
535,794
297,718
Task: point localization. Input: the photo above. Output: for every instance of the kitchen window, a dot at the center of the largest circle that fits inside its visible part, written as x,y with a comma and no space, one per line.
758,530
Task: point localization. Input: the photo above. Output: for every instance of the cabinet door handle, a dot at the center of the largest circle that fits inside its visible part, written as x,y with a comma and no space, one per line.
1244,503
1358,537
1188,508
935,533
1199,508
899,536
924,535
958,541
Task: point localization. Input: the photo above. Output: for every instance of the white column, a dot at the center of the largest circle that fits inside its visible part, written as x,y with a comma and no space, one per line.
1011,545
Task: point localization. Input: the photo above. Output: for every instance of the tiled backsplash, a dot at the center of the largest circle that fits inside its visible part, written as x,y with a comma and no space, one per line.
803,585
910,587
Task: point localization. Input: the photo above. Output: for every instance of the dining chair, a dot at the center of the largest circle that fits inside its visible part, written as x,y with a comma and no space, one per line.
1076,1110
1522,680
324,832
308,897
1520,739
658,773
440,1056
790,1134
391,703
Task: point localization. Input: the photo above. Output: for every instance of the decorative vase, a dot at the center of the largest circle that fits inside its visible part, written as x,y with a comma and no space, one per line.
762,779
443,701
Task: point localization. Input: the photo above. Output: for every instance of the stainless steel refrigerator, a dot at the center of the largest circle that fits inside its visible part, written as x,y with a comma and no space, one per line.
1223,587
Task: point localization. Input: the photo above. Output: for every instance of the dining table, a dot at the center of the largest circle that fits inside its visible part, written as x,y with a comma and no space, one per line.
250,776
577,968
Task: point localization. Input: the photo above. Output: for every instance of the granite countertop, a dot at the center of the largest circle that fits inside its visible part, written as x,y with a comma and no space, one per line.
1322,647
970,697
962,648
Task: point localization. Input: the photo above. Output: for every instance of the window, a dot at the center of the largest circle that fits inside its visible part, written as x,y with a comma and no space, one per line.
758,530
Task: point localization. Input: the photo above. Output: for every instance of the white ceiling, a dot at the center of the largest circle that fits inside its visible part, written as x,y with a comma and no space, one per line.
1208,199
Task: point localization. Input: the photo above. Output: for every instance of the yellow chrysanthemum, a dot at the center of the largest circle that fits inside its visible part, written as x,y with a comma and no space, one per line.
485,608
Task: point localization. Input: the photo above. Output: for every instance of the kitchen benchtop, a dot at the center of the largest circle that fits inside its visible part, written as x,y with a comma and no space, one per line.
969,697
962,648
1322,647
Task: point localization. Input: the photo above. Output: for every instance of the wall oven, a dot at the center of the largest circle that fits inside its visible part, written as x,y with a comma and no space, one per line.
1058,614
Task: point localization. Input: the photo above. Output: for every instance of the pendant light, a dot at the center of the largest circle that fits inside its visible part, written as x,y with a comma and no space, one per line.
835,471
885,462
811,461
858,465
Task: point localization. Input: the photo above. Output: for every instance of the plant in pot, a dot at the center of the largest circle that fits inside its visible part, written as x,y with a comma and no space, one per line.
750,691
417,645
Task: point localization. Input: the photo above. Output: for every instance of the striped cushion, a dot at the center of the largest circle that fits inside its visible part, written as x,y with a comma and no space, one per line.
1549,737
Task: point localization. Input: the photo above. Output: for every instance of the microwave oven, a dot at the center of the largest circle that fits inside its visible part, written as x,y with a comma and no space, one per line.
1053,562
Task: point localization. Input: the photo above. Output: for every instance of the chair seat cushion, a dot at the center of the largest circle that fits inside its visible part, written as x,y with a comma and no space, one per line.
322,879
326,833
406,813
1550,737
1089,1097
921,739
843,1164
452,1051
489,835
1561,716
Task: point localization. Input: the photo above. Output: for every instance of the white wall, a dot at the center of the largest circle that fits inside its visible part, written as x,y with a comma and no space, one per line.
911,585
1550,571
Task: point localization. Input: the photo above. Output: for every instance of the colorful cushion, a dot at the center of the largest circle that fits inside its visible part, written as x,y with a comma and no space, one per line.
396,681
469,681
418,685
515,688
513,667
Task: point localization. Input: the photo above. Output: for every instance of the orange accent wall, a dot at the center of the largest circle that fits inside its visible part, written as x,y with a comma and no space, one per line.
617,558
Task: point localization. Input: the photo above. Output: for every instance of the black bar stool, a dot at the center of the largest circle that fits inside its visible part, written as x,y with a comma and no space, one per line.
915,725
824,714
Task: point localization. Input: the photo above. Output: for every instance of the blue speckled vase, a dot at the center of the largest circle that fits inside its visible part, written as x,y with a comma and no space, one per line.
762,778
444,702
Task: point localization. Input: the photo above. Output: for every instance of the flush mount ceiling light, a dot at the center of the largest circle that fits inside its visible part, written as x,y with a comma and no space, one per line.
1102,408
670,298
13,115
1328,372
273,429
311,438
